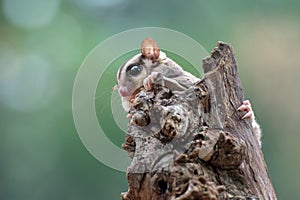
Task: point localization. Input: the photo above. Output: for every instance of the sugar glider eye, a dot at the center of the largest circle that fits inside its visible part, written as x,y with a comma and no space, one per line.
134,70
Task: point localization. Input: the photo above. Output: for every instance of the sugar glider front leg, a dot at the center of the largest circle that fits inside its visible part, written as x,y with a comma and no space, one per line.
246,106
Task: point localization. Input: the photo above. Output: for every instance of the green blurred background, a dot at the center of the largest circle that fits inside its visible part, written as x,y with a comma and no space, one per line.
43,42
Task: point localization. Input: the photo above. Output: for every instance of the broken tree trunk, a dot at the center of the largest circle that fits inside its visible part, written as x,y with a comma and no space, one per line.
193,144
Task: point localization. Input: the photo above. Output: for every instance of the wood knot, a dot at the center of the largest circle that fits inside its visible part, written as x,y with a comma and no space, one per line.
129,145
169,128
140,118
174,123
229,152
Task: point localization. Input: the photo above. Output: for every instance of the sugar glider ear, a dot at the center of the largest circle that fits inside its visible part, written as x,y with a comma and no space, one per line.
150,49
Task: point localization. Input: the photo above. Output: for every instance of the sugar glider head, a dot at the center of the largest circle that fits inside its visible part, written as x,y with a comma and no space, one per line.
132,73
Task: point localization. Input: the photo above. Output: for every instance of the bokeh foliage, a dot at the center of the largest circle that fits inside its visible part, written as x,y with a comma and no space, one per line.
42,44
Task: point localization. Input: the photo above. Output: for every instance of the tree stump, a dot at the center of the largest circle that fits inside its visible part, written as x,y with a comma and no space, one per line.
193,144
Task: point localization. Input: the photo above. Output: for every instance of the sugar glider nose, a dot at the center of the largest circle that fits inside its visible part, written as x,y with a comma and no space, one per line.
123,91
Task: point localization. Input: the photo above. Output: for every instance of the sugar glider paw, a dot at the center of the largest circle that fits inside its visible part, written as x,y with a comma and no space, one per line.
246,106
153,78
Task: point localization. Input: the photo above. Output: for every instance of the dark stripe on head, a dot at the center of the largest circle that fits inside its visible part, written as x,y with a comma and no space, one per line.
126,64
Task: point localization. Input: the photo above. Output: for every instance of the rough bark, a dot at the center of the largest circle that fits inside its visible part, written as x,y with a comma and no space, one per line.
193,144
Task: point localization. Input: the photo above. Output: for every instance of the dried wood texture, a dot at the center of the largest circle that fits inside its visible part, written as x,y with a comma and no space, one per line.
193,144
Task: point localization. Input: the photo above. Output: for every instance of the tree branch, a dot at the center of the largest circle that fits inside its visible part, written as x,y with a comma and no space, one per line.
193,144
